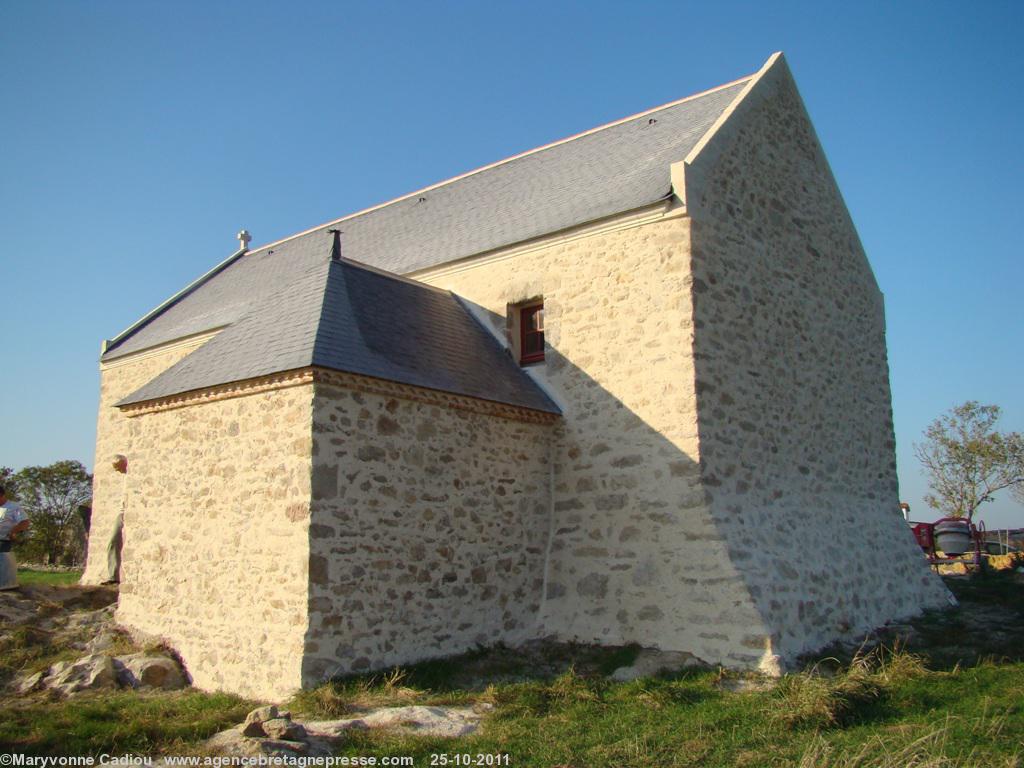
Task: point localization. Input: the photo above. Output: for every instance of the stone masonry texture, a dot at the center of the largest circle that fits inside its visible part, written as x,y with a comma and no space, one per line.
118,380
216,538
428,529
722,480
794,416
635,555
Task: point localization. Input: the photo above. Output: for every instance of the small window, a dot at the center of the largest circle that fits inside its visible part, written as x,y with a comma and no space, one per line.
531,333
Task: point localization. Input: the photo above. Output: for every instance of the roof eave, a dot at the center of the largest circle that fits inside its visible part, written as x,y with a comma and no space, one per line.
109,343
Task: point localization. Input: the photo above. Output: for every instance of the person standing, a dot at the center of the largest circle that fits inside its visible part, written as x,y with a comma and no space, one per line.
12,522
120,464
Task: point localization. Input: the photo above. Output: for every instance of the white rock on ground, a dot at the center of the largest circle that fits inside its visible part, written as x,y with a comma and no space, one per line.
144,670
266,731
650,662
28,683
91,619
231,743
97,671
446,722
88,673
284,728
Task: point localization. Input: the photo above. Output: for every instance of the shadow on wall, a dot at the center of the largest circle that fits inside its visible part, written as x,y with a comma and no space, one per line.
793,388
441,531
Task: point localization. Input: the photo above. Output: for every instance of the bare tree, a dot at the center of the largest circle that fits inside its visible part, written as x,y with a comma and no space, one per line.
968,461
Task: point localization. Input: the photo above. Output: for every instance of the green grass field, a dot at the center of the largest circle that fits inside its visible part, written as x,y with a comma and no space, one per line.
30,576
953,698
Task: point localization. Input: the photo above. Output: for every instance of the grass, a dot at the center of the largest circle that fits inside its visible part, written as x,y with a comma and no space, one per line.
887,709
116,723
900,705
60,578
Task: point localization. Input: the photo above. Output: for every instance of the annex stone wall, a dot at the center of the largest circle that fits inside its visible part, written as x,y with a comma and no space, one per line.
119,379
793,401
216,552
635,554
427,533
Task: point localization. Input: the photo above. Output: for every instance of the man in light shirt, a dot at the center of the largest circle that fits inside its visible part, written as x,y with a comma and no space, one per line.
12,522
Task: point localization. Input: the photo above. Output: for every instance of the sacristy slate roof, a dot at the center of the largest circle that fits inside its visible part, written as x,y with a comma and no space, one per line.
617,168
343,316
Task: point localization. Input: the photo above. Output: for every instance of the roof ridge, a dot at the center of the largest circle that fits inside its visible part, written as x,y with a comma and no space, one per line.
390,275
474,171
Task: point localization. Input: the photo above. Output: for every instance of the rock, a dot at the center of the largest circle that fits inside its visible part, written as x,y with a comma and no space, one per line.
85,674
150,671
29,683
253,725
103,641
650,662
283,728
91,619
446,722
15,609
234,743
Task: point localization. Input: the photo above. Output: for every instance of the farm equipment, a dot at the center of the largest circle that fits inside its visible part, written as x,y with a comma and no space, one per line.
953,538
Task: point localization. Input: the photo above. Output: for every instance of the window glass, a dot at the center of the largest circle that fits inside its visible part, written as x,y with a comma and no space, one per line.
531,324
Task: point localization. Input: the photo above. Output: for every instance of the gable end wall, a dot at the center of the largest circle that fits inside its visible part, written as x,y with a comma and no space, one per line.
795,422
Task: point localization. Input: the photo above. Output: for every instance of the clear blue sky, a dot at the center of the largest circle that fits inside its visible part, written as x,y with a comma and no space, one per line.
137,138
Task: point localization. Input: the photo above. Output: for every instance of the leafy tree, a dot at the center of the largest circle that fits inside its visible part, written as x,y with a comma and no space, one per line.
968,461
51,497
9,483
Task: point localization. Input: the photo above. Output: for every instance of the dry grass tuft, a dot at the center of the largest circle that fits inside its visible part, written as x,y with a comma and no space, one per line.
340,698
569,686
812,699
933,749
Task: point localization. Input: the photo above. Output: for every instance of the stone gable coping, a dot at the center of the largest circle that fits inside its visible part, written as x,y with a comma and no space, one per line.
347,381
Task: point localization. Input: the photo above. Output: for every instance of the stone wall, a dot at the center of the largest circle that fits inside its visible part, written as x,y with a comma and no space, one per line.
635,554
723,481
795,420
428,530
216,537
119,379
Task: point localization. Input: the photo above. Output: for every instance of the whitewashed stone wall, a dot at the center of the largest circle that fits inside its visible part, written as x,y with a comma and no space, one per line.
428,530
118,380
723,481
794,415
635,554
216,537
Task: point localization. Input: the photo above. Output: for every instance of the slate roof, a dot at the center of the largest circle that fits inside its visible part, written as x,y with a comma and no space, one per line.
344,316
606,171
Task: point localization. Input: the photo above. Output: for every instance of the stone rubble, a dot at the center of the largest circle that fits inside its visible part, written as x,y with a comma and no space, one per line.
88,673
82,619
268,731
146,670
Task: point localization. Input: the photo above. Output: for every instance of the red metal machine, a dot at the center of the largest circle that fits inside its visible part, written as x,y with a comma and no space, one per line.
954,537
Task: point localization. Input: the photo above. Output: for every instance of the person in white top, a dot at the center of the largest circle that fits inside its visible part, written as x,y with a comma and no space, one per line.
12,522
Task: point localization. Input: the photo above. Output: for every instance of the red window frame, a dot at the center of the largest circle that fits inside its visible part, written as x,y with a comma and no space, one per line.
529,333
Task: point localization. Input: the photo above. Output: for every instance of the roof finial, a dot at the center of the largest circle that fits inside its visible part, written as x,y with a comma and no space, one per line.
244,238
336,245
